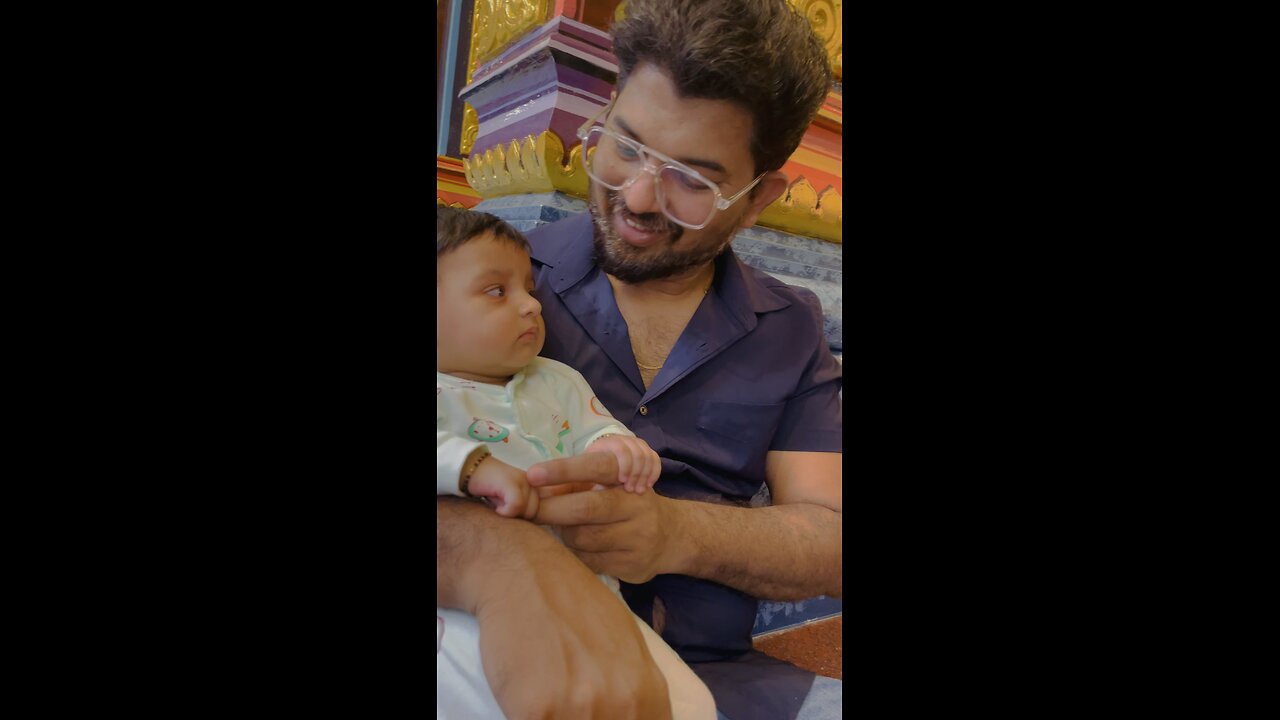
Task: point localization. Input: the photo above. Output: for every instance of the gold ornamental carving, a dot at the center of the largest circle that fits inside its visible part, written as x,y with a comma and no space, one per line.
537,165
803,211
530,165
470,129
824,15
497,23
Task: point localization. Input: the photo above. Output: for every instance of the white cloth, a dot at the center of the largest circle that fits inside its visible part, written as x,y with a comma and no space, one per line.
462,691
546,411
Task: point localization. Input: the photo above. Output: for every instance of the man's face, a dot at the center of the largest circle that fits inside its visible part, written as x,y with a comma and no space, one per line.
488,325
634,240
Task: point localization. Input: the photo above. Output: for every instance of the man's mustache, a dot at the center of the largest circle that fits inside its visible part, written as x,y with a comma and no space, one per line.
649,221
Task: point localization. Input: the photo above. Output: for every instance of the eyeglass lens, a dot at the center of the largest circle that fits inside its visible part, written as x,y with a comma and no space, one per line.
614,161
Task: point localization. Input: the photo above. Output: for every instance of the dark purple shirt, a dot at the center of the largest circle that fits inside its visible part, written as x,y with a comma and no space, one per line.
751,373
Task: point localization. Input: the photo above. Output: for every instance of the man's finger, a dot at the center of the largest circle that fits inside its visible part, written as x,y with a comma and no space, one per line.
591,468
531,505
586,508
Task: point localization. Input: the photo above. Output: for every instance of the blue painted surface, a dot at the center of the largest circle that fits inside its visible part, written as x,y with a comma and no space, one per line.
450,69
526,212
774,616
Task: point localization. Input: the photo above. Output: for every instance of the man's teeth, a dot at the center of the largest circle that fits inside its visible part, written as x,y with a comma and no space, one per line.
638,226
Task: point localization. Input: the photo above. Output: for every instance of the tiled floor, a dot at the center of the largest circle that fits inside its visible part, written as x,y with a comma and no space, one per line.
817,646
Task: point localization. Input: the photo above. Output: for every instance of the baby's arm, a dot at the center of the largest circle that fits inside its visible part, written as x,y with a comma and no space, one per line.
638,465
465,467
503,486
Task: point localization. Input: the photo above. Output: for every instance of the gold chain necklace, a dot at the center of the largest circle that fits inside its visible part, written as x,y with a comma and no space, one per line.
641,365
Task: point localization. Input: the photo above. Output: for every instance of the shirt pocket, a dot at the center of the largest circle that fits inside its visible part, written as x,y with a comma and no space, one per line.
748,430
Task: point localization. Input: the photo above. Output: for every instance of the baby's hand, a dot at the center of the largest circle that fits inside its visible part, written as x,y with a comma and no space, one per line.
638,465
505,488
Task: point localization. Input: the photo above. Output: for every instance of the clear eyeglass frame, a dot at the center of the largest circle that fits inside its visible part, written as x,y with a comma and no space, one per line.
721,202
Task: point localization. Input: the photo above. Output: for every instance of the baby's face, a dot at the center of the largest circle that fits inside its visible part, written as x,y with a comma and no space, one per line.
488,325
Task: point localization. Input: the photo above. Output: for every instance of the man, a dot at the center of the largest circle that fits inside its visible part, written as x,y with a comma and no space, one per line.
723,370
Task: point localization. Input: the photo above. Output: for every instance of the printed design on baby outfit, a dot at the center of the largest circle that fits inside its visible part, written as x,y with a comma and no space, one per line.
561,434
597,407
487,431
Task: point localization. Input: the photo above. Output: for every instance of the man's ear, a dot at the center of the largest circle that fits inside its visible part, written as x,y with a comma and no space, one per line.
770,188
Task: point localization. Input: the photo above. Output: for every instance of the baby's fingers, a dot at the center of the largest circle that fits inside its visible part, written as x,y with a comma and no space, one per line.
626,465
511,503
653,468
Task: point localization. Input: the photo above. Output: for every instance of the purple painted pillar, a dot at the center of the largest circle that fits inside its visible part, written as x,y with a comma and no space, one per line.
553,79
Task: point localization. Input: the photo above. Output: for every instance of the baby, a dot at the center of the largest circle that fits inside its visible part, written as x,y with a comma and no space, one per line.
500,409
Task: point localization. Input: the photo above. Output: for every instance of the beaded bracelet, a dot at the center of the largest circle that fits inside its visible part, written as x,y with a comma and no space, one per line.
470,470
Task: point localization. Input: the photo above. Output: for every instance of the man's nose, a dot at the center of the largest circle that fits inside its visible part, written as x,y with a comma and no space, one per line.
641,196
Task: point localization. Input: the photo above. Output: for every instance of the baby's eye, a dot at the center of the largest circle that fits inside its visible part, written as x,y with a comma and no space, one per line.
496,291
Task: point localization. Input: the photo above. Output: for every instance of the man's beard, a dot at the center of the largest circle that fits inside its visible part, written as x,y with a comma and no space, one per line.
635,265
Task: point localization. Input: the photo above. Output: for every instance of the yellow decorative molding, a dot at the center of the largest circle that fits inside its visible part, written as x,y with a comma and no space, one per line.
470,129
803,211
531,165
824,15
496,23
537,165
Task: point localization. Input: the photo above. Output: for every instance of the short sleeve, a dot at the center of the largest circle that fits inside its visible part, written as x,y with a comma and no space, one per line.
812,420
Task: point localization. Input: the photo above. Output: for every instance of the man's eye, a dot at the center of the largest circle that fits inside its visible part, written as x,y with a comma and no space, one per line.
626,152
496,291
692,184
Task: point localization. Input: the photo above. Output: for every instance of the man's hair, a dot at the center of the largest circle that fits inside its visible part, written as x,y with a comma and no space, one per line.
456,227
760,54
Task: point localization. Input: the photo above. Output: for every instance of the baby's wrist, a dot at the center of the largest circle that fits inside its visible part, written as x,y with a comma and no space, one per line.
469,469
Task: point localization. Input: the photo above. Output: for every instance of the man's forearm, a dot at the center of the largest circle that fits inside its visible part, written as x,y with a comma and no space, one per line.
475,548
785,552
554,641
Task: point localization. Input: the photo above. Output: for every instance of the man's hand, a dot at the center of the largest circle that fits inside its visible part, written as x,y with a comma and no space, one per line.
632,537
788,551
554,641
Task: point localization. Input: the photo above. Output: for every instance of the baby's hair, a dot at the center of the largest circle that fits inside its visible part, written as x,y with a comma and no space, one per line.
456,227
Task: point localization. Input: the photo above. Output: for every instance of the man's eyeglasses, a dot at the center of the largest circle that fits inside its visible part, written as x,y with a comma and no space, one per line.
616,162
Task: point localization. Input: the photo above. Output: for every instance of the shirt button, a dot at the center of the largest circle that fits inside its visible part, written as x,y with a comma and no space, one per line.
644,410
